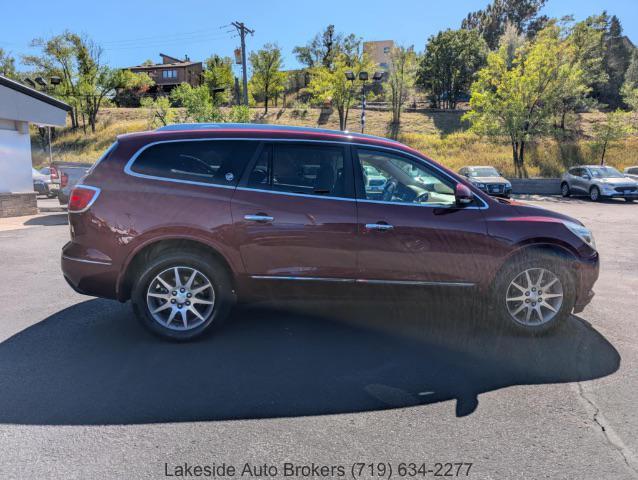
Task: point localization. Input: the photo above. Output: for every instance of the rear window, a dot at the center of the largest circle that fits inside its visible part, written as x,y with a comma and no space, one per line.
218,162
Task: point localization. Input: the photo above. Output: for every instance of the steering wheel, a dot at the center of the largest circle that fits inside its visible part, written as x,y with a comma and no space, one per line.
389,189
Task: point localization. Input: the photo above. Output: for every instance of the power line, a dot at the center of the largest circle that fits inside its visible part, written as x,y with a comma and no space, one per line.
204,31
158,43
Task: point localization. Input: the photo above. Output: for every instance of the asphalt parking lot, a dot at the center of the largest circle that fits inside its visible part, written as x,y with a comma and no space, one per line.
86,393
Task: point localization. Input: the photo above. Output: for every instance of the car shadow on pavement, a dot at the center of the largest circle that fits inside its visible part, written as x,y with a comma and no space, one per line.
93,364
49,220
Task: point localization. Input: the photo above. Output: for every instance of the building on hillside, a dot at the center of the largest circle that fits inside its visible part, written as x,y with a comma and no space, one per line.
20,106
379,52
171,72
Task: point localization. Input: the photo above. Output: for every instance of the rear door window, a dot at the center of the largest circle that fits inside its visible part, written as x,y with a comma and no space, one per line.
308,169
219,162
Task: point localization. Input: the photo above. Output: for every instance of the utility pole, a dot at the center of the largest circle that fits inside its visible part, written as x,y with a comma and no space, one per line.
243,29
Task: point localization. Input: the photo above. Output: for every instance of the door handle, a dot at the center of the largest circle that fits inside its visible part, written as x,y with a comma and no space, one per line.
379,226
260,217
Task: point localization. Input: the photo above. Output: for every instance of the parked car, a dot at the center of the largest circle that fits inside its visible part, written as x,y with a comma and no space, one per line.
69,174
40,185
598,182
632,172
186,219
489,180
374,181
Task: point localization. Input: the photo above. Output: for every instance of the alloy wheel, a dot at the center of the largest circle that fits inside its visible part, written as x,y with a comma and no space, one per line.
534,297
180,298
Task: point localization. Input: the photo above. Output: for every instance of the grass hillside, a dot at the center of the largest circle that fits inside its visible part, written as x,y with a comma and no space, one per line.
441,135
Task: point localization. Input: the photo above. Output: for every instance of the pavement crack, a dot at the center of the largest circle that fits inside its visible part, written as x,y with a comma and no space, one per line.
608,433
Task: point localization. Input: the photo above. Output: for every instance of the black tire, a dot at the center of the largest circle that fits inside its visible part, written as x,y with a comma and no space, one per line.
564,190
216,273
594,194
555,264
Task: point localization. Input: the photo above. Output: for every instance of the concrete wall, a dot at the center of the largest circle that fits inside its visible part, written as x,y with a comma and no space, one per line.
535,186
18,204
15,157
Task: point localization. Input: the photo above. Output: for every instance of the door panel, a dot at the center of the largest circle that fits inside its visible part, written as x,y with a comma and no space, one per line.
424,244
308,237
302,234
415,232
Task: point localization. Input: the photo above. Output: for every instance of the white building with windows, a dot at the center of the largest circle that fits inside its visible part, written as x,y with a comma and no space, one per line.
19,107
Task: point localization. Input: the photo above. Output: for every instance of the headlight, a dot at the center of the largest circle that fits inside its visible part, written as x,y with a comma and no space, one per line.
479,185
581,232
508,185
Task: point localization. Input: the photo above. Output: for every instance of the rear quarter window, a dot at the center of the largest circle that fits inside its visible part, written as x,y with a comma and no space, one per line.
218,162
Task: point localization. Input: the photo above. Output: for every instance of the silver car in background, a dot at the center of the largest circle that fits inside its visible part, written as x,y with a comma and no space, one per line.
489,180
632,172
598,182
70,174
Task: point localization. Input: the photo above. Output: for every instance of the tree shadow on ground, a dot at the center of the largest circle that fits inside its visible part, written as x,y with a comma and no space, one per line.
447,121
93,364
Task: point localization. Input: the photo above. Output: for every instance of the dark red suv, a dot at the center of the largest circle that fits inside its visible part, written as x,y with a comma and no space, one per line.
188,218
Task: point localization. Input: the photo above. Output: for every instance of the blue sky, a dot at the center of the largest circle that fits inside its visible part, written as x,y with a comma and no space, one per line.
132,31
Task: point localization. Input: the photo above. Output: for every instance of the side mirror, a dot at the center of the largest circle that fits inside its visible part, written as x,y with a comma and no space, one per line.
463,195
586,177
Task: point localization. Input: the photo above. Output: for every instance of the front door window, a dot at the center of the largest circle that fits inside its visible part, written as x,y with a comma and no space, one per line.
393,178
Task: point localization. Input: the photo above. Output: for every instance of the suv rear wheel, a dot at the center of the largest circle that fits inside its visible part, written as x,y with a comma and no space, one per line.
534,293
179,295
564,190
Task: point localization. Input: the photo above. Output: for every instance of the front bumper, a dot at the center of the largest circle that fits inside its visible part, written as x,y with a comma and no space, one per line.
587,272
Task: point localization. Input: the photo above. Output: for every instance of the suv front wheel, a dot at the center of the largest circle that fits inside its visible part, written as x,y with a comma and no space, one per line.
534,293
179,295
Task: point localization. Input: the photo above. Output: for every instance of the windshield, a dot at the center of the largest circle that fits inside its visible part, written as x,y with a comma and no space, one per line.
484,172
605,172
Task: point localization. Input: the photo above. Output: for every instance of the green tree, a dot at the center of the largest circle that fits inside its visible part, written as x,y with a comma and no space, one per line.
7,65
630,86
197,103
491,22
159,109
325,47
58,58
614,128
520,101
401,77
330,85
267,79
616,61
219,74
586,42
85,80
97,81
449,65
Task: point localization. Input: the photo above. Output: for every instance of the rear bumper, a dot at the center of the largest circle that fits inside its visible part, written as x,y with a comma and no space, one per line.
88,276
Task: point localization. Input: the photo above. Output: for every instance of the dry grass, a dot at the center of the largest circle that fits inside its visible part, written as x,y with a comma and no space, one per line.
440,135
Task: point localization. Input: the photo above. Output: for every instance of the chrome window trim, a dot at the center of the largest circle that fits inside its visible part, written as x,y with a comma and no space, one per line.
91,202
365,281
128,168
82,260
292,194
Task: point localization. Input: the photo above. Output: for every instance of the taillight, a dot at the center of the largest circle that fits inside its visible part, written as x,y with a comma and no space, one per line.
82,197
64,180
